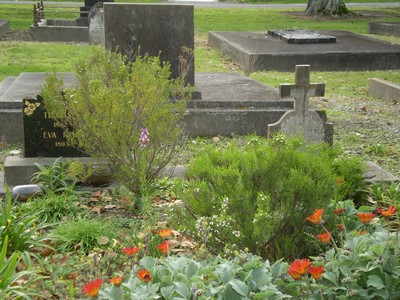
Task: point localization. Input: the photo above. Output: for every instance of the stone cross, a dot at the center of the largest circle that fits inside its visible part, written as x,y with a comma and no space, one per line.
302,90
301,120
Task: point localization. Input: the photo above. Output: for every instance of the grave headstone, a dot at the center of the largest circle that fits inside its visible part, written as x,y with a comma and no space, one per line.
155,29
96,24
42,136
302,121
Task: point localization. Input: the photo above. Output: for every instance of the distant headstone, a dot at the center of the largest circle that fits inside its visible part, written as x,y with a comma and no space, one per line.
96,24
298,36
157,29
302,121
42,136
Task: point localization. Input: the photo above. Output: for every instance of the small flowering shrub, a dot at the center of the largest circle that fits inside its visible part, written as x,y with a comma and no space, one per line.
122,113
257,195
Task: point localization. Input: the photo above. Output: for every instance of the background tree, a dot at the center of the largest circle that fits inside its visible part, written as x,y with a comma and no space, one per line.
334,7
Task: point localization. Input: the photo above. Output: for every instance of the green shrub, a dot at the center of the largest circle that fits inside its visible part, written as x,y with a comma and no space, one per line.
83,235
256,196
123,113
52,208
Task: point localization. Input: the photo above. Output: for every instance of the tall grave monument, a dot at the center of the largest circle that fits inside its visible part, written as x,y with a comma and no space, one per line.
152,29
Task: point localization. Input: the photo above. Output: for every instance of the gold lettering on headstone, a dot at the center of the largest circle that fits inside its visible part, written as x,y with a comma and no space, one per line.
49,135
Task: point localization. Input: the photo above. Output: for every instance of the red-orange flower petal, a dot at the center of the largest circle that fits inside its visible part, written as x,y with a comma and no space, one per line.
390,211
339,211
361,232
130,251
366,217
92,289
165,233
144,275
298,268
324,237
164,246
117,280
339,181
316,217
316,271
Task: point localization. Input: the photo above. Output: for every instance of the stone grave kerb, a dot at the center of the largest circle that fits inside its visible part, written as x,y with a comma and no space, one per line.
311,125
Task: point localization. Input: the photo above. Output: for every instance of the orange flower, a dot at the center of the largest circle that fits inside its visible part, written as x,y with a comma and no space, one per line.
316,217
298,268
165,233
144,275
324,237
339,181
116,280
366,217
130,251
316,272
390,211
164,246
93,288
339,211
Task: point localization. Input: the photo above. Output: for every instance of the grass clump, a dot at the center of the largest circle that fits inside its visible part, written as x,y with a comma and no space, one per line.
256,195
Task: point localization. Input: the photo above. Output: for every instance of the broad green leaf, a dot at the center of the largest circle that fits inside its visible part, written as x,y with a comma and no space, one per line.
168,291
227,275
375,281
378,249
230,293
191,269
254,262
148,262
239,286
167,280
278,268
260,276
182,289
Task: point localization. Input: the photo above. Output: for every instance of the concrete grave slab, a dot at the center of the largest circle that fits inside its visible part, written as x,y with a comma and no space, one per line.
385,28
156,28
256,51
384,89
4,26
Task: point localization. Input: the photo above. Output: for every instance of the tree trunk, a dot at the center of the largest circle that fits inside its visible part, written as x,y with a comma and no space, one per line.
335,7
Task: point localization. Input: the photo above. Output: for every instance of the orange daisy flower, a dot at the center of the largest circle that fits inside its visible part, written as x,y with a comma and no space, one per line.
316,217
366,217
92,289
164,246
165,233
339,211
130,251
316,272
361,232
298,268
116,280
390,211
324,237
144,275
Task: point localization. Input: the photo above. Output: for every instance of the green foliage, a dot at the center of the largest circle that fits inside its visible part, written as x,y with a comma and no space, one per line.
10,288
56,178
111,106
83,235
22,228
256,196
52,208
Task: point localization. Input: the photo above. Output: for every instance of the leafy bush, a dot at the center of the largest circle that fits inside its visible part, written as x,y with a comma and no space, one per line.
255,196
83,235
123,113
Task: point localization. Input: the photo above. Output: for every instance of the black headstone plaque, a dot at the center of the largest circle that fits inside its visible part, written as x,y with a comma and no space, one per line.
42,136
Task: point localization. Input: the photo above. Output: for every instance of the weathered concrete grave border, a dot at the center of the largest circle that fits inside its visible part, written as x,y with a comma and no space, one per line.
385,28
384,89
4,26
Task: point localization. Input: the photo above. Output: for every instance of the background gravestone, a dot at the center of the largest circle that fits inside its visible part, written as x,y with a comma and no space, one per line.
157,28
